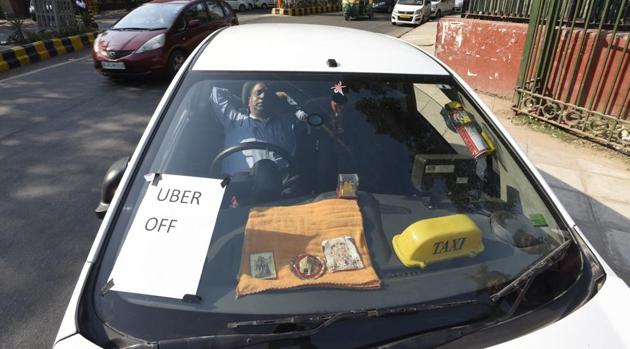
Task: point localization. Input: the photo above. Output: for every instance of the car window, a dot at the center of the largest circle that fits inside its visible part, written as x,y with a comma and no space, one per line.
150,16
226,8
328,190
196,11
215,9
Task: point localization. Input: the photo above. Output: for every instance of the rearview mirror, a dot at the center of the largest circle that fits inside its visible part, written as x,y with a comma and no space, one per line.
194,23
110,184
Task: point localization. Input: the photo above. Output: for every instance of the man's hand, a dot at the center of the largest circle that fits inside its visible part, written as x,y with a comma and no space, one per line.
283,95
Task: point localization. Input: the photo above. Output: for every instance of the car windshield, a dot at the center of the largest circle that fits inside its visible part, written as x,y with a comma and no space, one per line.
411,2
150,16
267,194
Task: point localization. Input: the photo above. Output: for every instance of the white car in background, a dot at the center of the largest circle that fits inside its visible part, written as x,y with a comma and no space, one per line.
240,5
264,4
459,4
413,12
440,8
439,231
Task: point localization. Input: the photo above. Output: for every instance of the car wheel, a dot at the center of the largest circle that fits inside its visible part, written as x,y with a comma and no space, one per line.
390,9
242,8
175,62
393,23
251,7
438,14
346,16
264,6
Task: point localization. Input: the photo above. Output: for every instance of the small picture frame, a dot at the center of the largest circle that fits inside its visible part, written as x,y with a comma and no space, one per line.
262,265
347,186
341,254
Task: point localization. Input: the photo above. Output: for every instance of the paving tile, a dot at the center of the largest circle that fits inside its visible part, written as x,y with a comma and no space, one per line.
612,213
577,204
561,177
619,248
602,186
604,166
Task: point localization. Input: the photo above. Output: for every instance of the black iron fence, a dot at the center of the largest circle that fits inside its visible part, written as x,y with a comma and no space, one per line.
575,71
601,11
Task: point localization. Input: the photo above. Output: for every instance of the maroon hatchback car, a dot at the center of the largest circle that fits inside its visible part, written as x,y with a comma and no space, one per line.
156,37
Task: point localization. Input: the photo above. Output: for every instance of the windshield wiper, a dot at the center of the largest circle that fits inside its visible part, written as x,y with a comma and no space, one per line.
522,282
325,320
160,28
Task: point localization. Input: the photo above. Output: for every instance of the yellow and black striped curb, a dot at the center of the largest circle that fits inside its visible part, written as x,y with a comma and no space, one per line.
18,56
305,11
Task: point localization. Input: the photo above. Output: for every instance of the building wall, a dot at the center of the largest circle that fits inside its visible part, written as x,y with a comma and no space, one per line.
486,54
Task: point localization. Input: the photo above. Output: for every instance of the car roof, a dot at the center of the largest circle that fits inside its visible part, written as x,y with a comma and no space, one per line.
307,48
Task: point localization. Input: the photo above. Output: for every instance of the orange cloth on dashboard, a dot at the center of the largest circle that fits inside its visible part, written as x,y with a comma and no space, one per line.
293,230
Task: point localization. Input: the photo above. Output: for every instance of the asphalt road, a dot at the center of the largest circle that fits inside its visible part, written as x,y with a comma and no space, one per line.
61,126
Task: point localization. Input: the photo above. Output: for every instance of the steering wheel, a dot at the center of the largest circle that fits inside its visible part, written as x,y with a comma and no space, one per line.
286,155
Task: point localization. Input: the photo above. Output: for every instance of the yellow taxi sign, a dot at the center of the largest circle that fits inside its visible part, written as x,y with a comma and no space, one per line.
437,239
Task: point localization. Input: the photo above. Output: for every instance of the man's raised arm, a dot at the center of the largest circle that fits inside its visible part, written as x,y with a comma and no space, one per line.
223,103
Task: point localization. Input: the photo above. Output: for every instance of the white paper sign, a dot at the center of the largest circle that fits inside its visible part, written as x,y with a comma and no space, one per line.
165,249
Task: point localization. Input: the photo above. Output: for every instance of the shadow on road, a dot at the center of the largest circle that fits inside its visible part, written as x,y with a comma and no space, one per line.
606,229
60,129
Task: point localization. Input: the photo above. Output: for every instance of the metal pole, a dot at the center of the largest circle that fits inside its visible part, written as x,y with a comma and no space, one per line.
590,56
565,51
529,43
579,54
603,70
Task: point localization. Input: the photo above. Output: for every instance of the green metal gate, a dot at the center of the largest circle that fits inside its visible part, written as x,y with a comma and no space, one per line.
575,71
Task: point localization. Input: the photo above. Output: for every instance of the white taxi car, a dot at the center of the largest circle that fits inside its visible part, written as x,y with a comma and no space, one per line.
413,12
322,196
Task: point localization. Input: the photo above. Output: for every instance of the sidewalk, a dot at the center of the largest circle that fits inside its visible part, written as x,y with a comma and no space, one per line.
592,184
104,20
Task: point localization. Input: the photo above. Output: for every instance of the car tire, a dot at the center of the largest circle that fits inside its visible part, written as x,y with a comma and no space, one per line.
263,6
242,8
393,23
438,14
251,7
175,62
346,17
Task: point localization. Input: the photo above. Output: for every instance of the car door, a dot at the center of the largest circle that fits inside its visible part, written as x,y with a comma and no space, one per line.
218,17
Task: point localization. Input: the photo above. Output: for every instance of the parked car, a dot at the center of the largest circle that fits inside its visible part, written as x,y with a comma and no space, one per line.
265,4
318,196
413,12
156,38
384,5
440,8
459,5
240,5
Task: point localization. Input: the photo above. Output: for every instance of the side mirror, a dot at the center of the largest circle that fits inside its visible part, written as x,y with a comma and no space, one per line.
194,23
110,184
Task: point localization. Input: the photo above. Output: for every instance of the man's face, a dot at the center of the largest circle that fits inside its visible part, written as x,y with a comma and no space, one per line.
256,99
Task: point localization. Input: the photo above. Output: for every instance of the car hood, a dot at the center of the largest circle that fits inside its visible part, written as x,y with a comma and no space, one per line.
117,40
400,7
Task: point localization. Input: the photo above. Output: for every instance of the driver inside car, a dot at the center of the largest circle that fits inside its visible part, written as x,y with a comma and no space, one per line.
268,116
